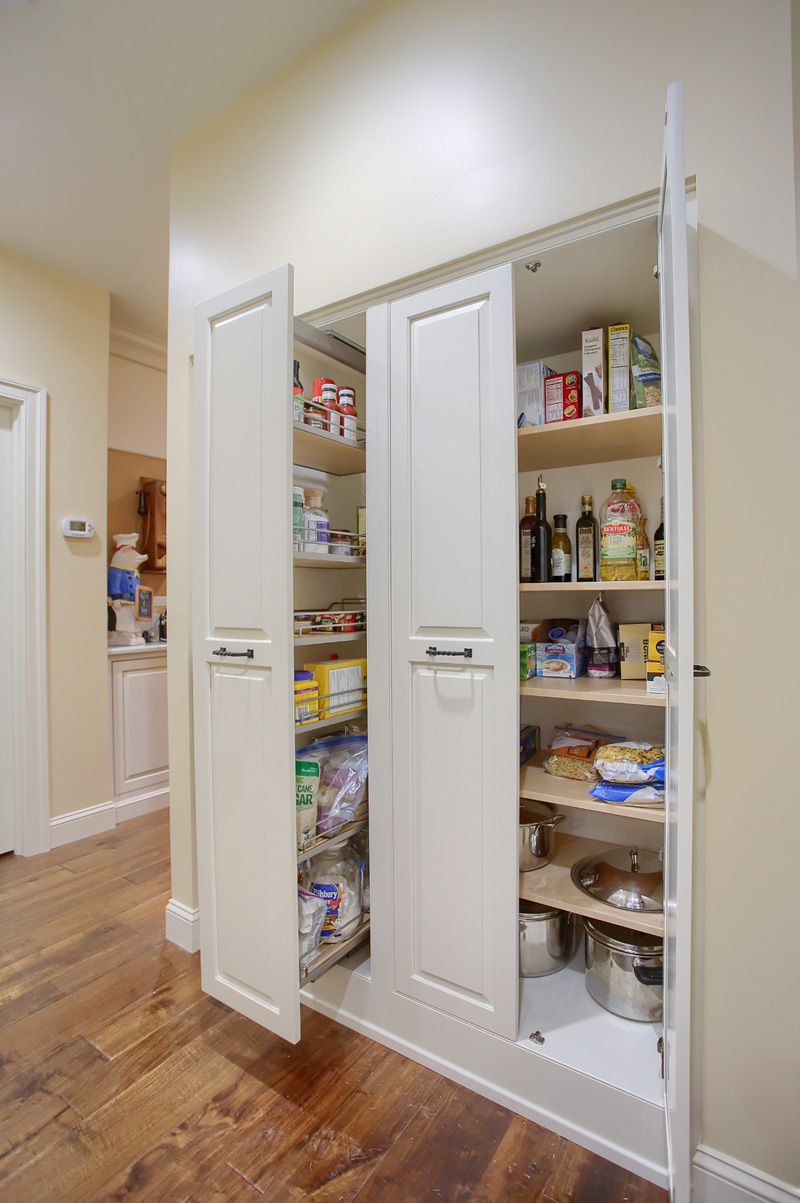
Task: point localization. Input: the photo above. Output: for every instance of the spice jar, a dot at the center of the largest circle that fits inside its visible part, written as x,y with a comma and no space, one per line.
340,543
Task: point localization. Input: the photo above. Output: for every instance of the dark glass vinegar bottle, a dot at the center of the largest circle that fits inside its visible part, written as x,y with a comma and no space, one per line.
542,538
526,543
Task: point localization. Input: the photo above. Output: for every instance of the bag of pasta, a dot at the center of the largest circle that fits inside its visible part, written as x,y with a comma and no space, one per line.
632,762
573,751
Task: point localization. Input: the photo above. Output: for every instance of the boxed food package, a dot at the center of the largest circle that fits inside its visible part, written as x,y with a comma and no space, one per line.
527,661
561,648
306,697
526,630
633,638
530,392
656,646
646,374
619,368
342,685
562,397
528,743
595,388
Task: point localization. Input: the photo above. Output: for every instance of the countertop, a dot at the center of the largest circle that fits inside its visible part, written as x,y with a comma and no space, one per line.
138,649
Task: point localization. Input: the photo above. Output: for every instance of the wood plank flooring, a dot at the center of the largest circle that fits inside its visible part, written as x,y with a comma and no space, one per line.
120,1079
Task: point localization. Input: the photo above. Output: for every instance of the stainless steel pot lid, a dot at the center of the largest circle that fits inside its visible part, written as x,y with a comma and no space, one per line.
623,877
624,939
535,812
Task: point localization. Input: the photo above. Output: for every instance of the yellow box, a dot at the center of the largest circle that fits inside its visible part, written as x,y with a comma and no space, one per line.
342,686
619,368
656,646
633,649
306,703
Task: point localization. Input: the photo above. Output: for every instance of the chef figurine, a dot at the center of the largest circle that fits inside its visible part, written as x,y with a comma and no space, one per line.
123,581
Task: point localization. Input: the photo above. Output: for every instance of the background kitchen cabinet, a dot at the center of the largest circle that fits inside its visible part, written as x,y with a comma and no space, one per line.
139,741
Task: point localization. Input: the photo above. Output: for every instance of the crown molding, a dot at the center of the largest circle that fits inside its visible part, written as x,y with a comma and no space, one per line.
137,347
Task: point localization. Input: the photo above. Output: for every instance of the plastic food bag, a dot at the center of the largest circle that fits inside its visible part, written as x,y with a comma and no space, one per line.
335,877
601,641
311,914
631,762
330,784
628,795
573,750
646,372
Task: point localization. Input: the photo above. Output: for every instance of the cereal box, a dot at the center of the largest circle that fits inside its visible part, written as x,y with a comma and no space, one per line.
562,397
595,386
530,392
619,368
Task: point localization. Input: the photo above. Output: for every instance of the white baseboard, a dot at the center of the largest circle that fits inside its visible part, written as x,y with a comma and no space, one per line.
142,804
183,926
79,824
94,820
717,1178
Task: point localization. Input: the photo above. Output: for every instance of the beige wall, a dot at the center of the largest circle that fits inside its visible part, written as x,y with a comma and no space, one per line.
449,126
54,335
137,407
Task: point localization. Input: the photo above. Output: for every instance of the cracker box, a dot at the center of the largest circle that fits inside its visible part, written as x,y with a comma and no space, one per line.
656,646
561,648
562,397
595,378
528,743
342,685
530,392
619,369
633,649
527,661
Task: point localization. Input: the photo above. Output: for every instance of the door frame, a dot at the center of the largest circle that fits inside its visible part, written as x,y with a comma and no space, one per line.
28,628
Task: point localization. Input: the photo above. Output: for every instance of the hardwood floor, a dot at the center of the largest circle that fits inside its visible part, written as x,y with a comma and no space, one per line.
120,1080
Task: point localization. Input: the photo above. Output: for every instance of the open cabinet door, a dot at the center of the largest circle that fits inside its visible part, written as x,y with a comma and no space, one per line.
243,666
676,386
454,649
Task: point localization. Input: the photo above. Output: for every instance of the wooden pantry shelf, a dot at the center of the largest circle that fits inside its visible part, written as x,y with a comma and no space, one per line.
553,886
329,637
323,559
630,435
537,785
589,689
634,587
325,724
327,452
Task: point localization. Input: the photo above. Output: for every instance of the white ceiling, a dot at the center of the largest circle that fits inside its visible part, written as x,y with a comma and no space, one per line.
93,96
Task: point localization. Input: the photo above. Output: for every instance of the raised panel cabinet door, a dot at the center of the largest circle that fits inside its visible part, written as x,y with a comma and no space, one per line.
242,641
454,648
679,658
141,747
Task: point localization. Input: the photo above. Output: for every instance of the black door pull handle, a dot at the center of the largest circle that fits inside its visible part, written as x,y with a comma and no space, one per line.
700,670
435,651
223,651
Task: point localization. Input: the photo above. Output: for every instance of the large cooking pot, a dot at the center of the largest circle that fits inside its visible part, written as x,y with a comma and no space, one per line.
624,970
548,938
536,823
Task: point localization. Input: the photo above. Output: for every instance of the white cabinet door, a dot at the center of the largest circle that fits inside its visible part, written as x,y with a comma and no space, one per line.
676,384
455,716
139,726
242,623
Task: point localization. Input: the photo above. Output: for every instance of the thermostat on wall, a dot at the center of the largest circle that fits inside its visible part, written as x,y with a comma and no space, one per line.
77,528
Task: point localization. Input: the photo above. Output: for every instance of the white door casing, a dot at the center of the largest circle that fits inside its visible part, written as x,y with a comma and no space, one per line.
454,718
677,398
242,602
23,702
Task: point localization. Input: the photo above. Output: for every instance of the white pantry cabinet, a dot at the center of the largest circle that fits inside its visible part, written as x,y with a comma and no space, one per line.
433,973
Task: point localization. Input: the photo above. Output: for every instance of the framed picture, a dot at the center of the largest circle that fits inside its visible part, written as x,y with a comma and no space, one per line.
144,604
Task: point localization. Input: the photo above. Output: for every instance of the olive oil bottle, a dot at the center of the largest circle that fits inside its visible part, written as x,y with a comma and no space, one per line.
562,549
586,541
526,542
542,538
